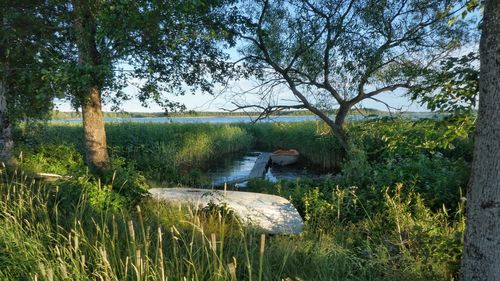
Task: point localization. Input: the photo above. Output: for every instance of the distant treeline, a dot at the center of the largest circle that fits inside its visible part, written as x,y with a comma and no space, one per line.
58,115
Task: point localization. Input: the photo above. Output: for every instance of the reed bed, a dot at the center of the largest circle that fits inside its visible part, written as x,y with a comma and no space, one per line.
161,151
174,153
312,139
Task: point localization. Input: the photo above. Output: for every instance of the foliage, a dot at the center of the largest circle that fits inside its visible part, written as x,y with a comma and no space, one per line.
51,158
401,218
161,152
166,45
384,153
119,188
379,140
453,87
339,53
389,138
25,58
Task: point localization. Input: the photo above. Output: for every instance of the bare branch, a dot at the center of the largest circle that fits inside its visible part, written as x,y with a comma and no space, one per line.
265,111
389,107
389,88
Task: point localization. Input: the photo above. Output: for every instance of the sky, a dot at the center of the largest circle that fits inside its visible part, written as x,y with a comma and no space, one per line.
222,101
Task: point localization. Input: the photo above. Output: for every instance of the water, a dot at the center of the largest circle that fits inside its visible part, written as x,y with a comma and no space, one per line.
232,168
241,119
236,167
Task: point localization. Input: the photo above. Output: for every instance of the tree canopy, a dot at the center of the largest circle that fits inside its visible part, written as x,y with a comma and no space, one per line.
26,57
338,53
166,46
87,51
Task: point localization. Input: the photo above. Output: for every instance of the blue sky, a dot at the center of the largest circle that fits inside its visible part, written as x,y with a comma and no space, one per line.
205,102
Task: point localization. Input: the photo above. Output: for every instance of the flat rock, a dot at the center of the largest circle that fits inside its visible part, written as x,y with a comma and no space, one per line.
271,213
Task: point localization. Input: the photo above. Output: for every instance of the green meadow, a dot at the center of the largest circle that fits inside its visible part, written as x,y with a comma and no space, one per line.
393,209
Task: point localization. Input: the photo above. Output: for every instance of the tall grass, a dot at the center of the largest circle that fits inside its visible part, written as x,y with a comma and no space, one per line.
45,236
161,151
312,139
383,153
386,216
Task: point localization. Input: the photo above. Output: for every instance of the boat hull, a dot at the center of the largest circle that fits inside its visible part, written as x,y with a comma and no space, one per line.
284,159
273,214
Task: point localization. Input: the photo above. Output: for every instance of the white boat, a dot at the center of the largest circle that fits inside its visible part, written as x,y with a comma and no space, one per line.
271,213
284,157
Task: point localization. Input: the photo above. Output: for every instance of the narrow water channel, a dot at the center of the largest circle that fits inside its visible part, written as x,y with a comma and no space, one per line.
238,166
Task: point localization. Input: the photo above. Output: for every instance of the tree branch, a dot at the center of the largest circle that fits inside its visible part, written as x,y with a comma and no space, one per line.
389,88
265,111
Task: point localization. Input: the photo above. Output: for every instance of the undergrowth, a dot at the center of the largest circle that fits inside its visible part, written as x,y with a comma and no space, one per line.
394,211
46,236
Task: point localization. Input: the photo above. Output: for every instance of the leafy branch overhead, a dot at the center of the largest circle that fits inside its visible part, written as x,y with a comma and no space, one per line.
165,47
452,87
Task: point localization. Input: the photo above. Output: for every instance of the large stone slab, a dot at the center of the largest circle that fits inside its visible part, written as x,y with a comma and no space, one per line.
271,213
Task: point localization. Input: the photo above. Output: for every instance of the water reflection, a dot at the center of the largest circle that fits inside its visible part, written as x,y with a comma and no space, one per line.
235,169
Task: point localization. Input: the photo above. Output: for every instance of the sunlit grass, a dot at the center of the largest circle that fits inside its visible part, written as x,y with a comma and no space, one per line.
47,236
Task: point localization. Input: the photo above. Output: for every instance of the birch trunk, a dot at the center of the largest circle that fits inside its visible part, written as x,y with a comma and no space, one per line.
481,257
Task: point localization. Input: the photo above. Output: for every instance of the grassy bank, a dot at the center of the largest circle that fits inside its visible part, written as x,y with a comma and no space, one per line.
47,235
162,152
394,212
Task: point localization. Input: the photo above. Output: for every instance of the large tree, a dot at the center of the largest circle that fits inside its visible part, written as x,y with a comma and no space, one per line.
338,53
168,45
26,54
482,238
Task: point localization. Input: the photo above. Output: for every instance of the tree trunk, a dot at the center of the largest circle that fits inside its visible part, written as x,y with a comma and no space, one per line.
93,122
96,152
341,114
481,257
339,124
6,142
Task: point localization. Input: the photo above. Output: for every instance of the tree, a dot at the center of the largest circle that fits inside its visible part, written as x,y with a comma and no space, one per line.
482,236
452,87
25,56
166,44
341,52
